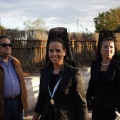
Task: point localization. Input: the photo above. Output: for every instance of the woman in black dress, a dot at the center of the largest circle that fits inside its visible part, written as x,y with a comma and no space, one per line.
62,94
103,93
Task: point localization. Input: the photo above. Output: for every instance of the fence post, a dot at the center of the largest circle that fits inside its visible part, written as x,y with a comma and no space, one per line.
73,44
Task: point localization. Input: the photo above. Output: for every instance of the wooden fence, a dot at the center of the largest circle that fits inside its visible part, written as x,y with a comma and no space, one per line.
31,53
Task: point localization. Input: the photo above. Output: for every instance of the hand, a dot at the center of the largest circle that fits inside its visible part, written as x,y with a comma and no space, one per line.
117,118
35,116
90,104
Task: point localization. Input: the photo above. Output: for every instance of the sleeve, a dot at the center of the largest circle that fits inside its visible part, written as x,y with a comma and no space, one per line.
118,89
80,98
91,88
41,99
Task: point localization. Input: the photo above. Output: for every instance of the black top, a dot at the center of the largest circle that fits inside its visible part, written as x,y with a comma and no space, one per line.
102,73
53,81
70,102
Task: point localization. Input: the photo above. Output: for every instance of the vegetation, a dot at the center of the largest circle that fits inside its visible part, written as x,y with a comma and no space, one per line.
109,20
37,24
37,27
2,29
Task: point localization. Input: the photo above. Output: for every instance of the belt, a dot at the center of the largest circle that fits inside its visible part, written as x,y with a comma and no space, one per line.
12,97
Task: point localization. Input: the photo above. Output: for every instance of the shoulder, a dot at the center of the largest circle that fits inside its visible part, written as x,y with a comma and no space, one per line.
74,70
46,69
116,61
15,60
96,61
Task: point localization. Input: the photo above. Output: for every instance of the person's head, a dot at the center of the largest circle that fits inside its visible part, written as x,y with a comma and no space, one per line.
60,33
56,51
107,48
5,46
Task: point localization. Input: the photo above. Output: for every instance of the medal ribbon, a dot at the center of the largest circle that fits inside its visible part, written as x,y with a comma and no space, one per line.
55,88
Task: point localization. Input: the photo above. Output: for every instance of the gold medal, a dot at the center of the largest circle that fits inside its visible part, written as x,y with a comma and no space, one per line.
52,101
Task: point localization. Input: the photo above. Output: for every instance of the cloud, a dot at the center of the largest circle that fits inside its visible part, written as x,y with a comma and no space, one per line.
67,13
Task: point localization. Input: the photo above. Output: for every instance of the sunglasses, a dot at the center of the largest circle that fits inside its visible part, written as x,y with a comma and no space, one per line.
5,45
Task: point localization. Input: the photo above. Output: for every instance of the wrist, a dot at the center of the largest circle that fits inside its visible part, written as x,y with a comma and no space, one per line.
117,113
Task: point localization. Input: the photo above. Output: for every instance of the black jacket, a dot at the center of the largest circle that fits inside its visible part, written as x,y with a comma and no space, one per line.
70,99
107,93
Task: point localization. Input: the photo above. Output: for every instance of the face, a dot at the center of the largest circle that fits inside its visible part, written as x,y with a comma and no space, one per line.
5,50
107,49
56,53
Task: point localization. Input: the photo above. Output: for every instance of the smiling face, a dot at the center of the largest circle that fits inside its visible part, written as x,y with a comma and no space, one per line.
107,49
5,51
56,53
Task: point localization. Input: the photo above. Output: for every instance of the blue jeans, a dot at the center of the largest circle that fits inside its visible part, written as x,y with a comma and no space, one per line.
13,110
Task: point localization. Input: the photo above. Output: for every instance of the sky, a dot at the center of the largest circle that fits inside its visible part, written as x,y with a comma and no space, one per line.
75,15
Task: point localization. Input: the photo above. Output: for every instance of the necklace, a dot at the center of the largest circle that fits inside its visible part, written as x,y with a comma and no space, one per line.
105,64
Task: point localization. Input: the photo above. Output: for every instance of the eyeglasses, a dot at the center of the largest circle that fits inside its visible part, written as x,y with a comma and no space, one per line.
5,45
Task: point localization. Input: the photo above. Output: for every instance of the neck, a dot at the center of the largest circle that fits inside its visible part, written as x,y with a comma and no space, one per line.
105,62
57,69
5,59
4,56
57,66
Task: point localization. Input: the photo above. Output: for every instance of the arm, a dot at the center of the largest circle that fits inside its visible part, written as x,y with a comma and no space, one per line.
91,88
35,116
80,98
40,103
118,89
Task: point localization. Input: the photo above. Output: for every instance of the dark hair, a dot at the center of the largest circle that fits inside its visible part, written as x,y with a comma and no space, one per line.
4,36
57,40
107,39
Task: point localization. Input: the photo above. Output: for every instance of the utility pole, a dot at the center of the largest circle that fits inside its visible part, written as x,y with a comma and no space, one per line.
77,25
0,26
0,21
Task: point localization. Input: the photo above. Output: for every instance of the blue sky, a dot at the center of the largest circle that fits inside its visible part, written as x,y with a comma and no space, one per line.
72,14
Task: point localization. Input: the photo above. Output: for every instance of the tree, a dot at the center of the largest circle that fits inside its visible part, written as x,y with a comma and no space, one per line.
36,29
37,24
2,30
109,20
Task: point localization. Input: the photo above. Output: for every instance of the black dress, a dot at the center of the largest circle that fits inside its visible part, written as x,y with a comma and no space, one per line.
70,101
101,113
50,113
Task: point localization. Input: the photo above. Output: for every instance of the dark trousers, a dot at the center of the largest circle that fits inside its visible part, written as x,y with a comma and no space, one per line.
13,110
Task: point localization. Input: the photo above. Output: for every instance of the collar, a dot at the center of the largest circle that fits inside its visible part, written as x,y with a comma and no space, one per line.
9,58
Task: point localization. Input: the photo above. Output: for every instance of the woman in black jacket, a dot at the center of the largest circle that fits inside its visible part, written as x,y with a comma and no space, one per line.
62,95
103,93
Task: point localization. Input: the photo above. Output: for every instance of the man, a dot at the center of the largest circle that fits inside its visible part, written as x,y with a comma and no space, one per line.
13,93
